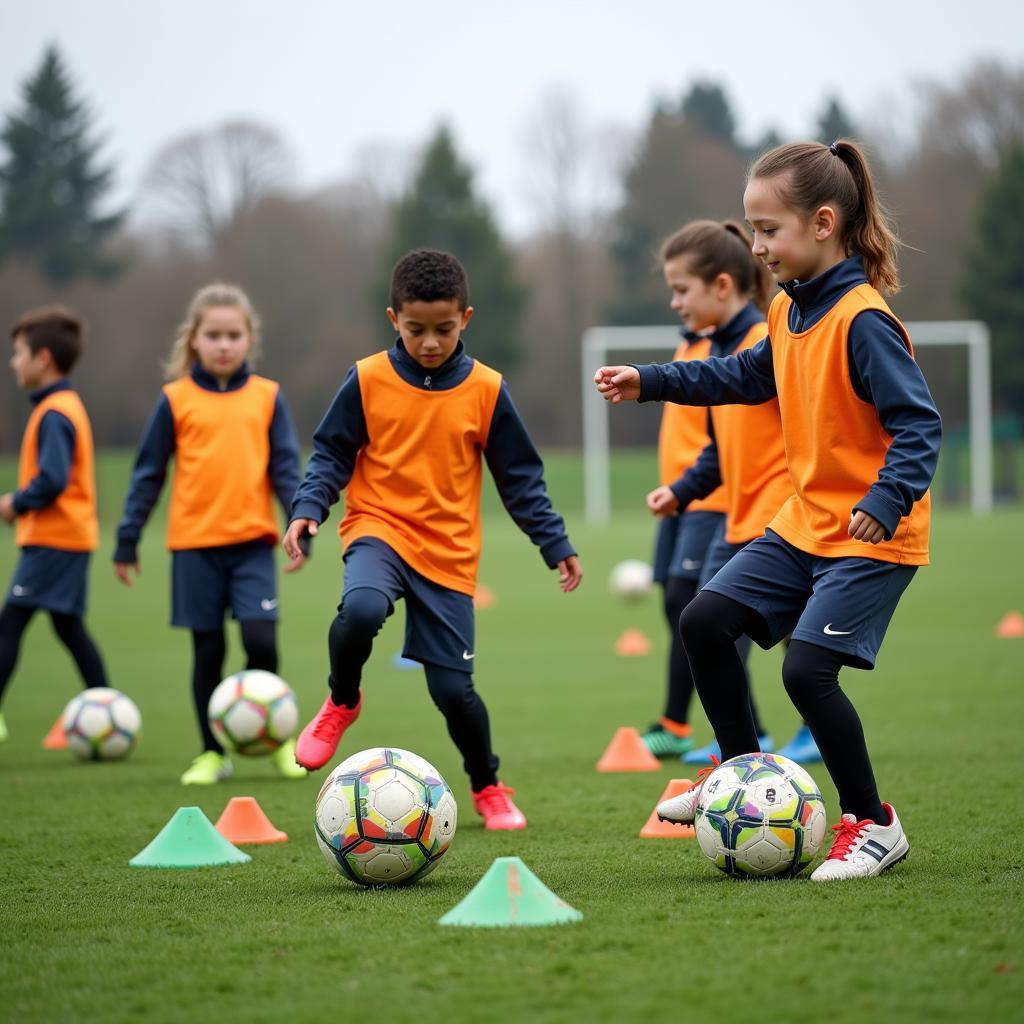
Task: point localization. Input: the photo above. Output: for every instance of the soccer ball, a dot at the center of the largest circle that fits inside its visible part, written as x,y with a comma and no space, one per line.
631,579
384,816
101,724
253,712
761,816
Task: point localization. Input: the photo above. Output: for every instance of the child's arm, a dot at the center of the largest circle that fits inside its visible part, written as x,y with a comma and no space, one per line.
148,474
55,452
697,482
519,474
336,443
747,378
884,373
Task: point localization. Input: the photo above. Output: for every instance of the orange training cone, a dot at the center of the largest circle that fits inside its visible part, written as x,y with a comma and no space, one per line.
484,597
243,821
632,643
627,753
1011,625
55,738
655,829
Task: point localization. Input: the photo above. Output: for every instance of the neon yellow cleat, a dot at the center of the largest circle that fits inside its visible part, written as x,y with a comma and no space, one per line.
284,761
208,768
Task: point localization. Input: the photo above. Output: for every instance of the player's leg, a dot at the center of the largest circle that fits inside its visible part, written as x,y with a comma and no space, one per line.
71,632
373,583
14,618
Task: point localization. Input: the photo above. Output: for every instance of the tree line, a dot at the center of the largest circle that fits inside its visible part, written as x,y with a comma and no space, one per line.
222,203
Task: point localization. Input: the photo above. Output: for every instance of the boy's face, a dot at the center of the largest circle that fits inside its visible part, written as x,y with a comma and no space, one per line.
30,369
430,330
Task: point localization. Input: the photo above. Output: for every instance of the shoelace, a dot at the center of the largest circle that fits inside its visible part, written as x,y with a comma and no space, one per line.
496,798
705,772
329,725
847,833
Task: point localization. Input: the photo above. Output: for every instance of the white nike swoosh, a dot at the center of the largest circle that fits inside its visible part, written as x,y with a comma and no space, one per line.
268,604
690,563
466,656
829,631
19,591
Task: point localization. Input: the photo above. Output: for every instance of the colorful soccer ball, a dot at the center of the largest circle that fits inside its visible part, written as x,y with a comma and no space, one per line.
384,817
761,816
631,579
253,712
101,724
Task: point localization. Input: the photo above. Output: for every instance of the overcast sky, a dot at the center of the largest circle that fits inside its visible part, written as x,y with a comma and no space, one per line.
333,77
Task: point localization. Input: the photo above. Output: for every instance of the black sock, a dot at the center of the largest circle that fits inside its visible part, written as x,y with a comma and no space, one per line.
350,640
468,723
678,594
811,675
14,618
73,634
208,649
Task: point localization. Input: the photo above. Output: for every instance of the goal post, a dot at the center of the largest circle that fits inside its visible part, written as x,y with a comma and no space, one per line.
600,344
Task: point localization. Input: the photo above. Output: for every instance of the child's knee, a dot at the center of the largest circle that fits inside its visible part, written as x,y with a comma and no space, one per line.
452,692
700,625
360,617
259,638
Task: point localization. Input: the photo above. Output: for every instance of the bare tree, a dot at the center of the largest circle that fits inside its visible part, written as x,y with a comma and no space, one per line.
197,185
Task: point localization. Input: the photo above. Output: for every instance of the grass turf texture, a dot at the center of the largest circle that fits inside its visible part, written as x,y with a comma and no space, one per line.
284,938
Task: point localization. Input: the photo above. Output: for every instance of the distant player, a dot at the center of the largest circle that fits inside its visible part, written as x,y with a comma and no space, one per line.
405,437
234,448
719,286
54,507
687,529
862,440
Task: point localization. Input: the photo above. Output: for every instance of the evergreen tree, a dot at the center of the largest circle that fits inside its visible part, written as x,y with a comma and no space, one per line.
833,123
50,183
707,108
442,211
993,284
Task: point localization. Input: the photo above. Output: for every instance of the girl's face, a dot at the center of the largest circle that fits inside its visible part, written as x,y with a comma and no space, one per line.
697,303
793,248
222,341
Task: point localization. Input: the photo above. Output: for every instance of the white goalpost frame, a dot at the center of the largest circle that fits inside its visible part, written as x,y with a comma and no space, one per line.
600,342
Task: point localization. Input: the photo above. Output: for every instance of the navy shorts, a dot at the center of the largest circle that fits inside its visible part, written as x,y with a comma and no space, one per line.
440,626
682,543
50,579
844,604
719,555
205,582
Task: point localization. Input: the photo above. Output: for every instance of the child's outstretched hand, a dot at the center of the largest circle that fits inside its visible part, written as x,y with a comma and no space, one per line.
662,502
7,513
295,539
618,383
569,573
123,571
863,527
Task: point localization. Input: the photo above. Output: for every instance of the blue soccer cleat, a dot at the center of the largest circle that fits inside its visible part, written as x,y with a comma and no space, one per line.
801,748
713,751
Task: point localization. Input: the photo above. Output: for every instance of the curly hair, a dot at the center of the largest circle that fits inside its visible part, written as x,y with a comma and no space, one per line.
429,275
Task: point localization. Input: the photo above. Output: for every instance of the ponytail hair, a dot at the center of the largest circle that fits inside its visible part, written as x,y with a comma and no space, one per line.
712,248
811,175
212,296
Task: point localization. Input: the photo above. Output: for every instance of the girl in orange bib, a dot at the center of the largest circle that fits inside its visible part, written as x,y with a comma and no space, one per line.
234,449
862,438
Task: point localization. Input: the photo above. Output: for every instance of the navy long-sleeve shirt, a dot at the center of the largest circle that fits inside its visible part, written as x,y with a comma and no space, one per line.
882,372
158,445
510,454
54,454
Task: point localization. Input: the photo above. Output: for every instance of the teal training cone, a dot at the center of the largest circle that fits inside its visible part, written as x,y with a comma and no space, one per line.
510,894
188,840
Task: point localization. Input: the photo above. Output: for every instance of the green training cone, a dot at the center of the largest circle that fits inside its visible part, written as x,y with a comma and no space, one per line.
510,894
188,840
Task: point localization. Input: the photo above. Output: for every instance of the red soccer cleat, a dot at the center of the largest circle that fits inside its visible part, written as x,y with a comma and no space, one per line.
319,740
494,805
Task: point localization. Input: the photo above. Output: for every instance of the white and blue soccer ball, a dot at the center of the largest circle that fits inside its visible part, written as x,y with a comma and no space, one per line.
631,579
101,724
760,816
253,712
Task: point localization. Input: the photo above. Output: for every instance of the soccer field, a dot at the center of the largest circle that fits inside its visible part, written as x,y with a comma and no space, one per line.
664,935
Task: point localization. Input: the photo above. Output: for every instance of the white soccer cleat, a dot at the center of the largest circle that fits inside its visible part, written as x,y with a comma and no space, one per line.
862,849
682,809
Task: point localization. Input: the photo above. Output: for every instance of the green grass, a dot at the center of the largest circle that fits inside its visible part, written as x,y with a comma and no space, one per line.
283,938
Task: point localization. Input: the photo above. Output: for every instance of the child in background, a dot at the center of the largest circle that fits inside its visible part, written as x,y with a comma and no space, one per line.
719,285
862,440
684,533
406,435
234,448
54,508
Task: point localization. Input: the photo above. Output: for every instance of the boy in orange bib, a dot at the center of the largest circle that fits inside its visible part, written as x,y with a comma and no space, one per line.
54,507
862,437
405,437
